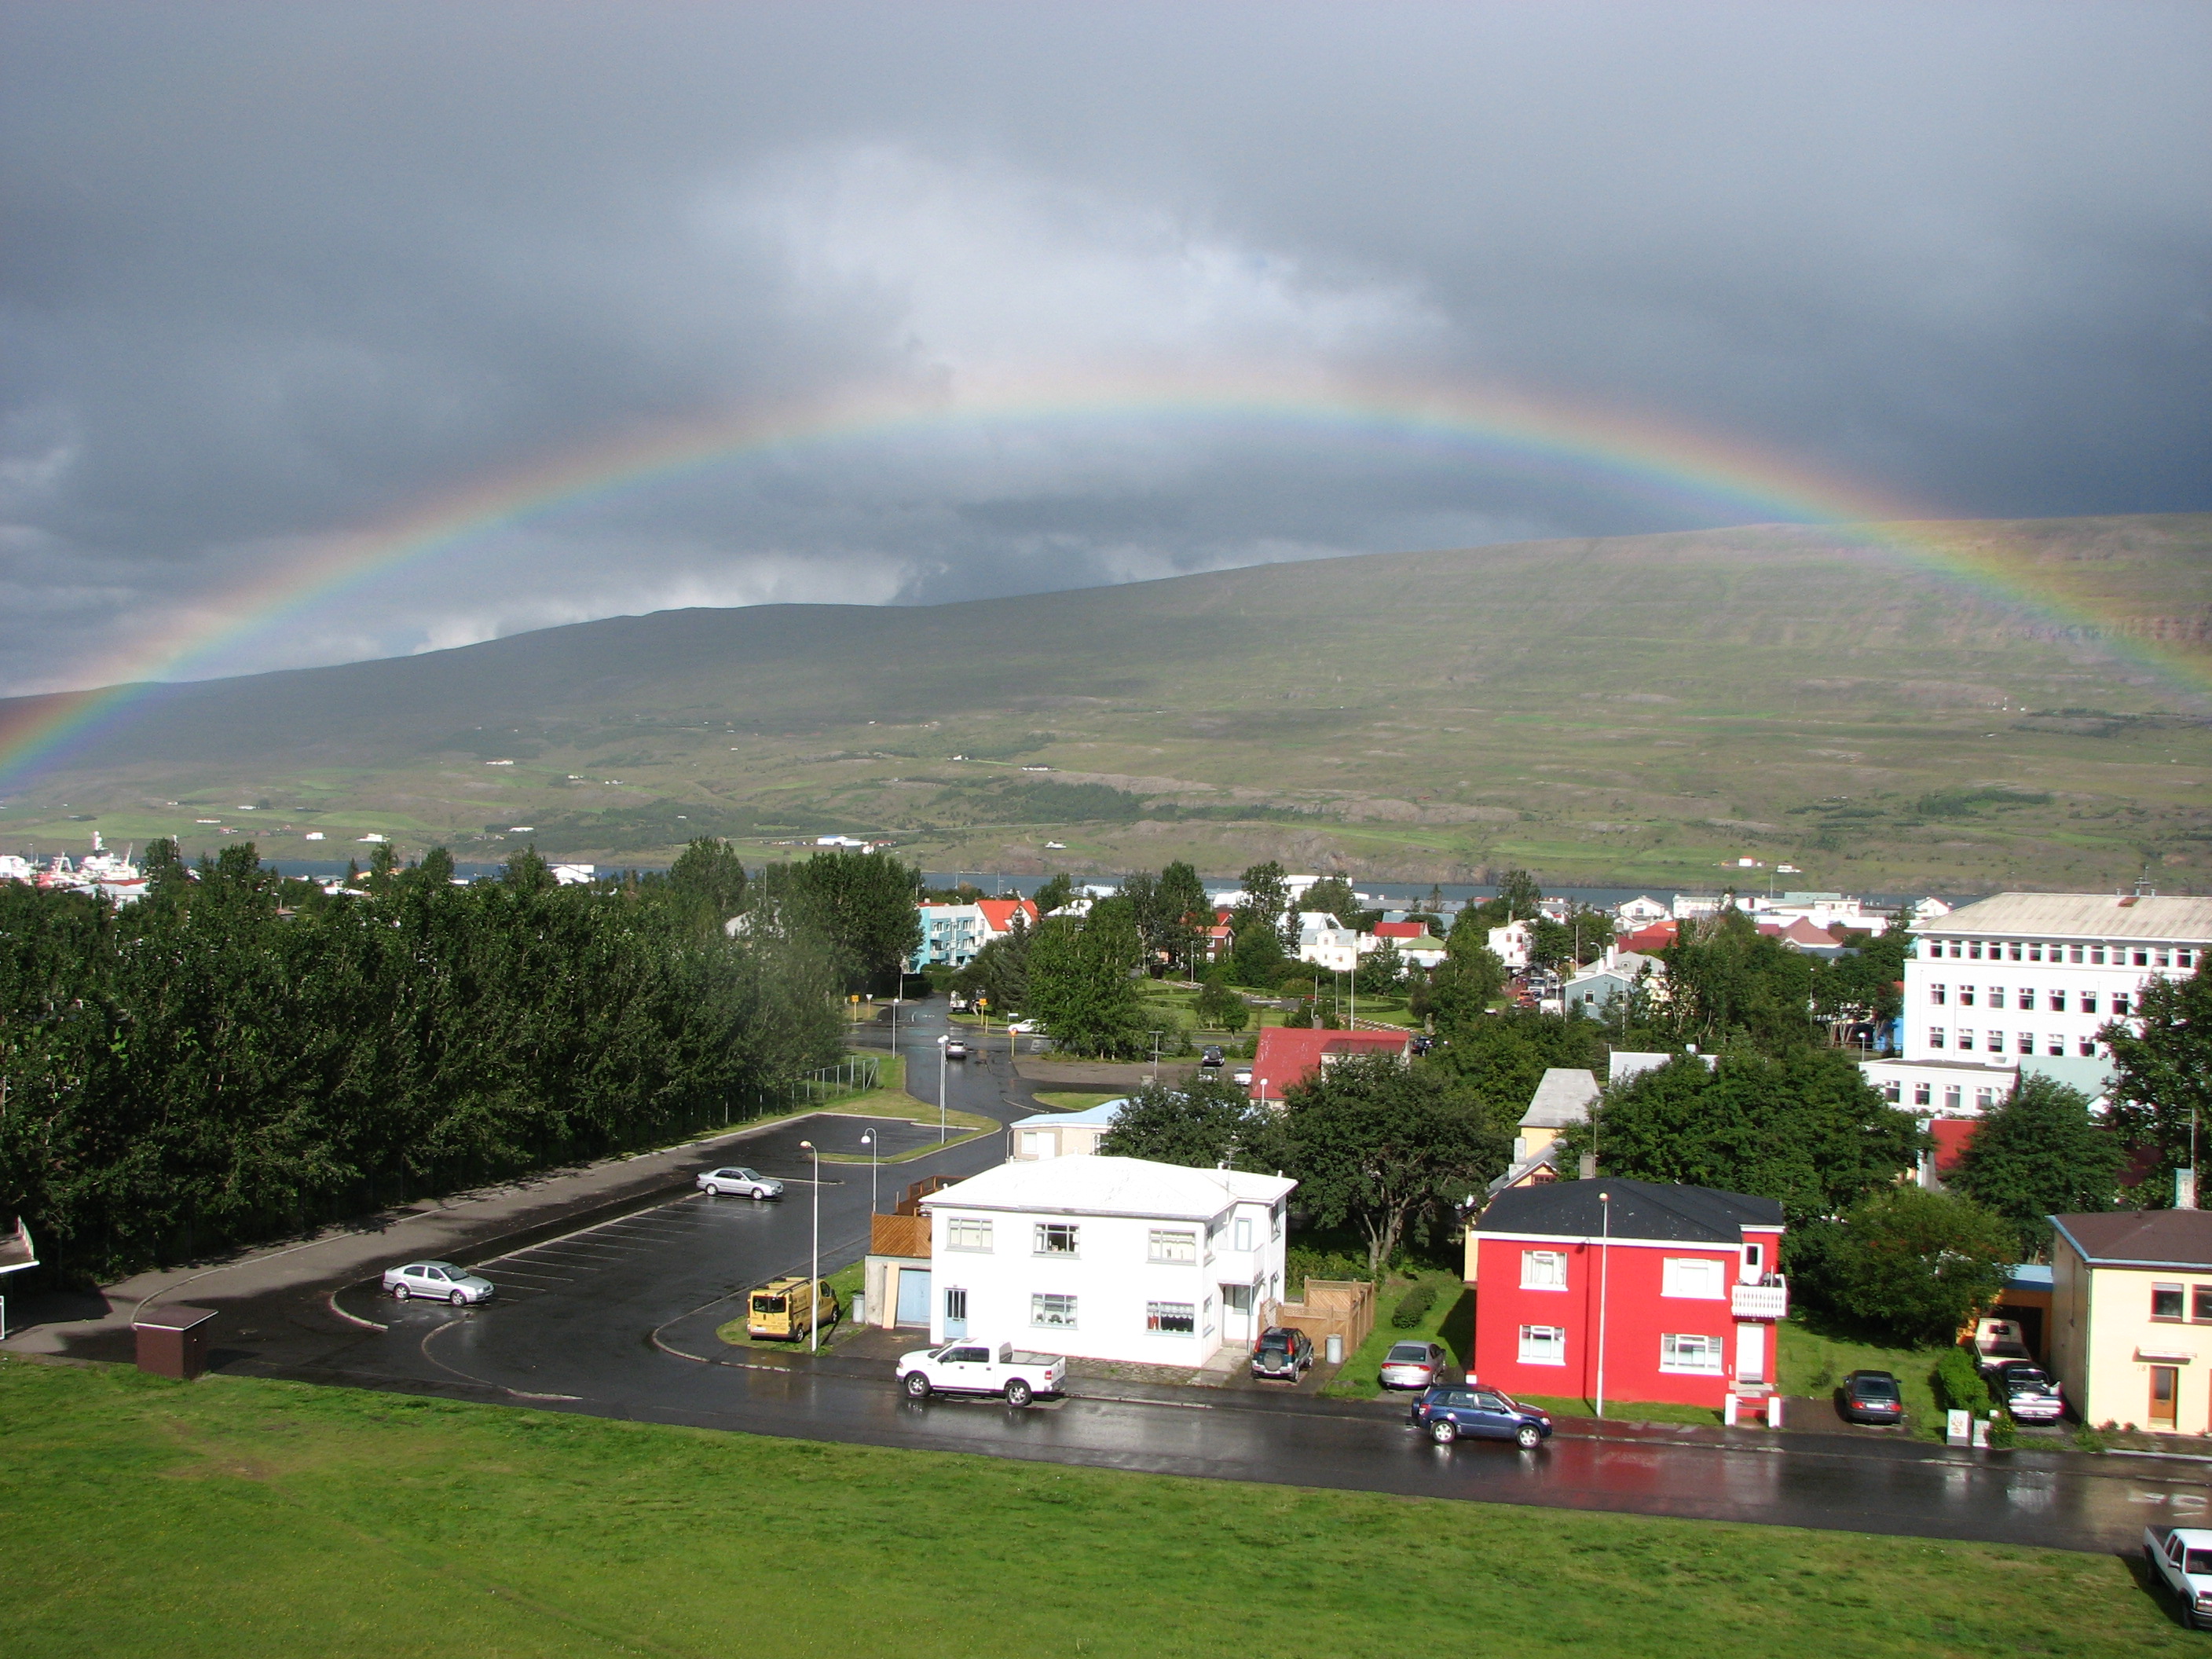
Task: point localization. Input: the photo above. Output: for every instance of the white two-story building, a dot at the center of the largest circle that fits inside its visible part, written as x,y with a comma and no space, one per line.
2027,980
1107,1258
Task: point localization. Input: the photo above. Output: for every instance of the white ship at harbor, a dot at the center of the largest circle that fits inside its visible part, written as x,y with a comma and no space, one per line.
100,871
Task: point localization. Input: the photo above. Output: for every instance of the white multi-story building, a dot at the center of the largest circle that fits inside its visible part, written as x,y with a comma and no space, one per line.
1107,1258
2028,979
1326,943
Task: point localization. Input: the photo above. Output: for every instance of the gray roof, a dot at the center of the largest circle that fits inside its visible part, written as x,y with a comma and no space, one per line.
1641,1209
2080,915
1563,1098
2142,1238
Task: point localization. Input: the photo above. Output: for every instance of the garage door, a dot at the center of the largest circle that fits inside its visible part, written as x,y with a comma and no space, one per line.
914,1296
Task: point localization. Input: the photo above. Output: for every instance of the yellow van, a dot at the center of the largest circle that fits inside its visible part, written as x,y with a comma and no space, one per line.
784,1307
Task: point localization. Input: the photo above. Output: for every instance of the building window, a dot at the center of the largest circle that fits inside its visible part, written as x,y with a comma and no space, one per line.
1275,1222
2073,953
1965,996
1923,1094
1986,1100
2200,1301
2184,959
2096,955
1934,1036
2059,1002
1056,1238
1543,1270
1950,1099
1754,1257
1699,1354
1936,994
967,1233
2087,1049
1689,1276
2120,1005
2024,1042
2143,958
2089,1002
955,1307
2035,950
1974,950
1997,996
2162,958
1243,1239
1543,1345
1893,1092
1172,1245
2165,1302
1171,1318
2026,1003
1054,1312
2055,1045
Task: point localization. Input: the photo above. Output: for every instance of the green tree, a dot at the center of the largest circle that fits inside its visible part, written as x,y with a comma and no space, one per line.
708,881
1185,914
1267,907
861,906
1080,984
1202,1124
1725,979
1000,971
1497,1060
1581,938
1804,1127
2040,1154
437,866
1334,894
1917,1263
2162,1096
1379,1144
1054,894
1217,1006
1868,982
1381,971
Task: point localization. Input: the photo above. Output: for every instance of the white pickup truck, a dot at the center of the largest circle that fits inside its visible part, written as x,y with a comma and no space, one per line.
2182,1557
966,1367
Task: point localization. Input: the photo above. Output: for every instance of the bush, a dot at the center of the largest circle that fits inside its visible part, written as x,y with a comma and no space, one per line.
2004,1431
1959,1385
1413,1306
1302,1262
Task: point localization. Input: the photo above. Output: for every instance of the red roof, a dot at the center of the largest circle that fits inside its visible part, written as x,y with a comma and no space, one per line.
999,914
1400,929
1659,936
1289,1055
1952,1134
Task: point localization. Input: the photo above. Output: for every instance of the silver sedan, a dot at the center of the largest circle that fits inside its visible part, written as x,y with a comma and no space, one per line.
738,1179
436,1281
1415,1365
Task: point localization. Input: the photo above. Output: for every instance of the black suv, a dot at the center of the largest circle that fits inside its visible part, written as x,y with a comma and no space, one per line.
1282,1354
1209,1054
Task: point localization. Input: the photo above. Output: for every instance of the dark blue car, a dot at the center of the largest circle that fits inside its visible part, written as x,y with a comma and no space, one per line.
1468,1408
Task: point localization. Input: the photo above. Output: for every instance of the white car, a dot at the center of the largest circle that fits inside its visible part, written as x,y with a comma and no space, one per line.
964,1367
2181,1558
739,1182
1026,1028
1243,1076
436,1281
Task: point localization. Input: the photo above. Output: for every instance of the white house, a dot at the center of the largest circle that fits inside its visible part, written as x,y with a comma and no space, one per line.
1824,910
1107,1258
1326,944
1511,943
2028,977
1641,912
1062,1135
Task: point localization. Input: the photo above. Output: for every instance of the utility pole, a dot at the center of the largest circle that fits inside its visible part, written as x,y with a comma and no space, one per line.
1604,1273
943,1049
814,1262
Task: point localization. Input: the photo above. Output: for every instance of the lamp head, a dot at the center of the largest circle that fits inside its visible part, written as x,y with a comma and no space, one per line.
805,1145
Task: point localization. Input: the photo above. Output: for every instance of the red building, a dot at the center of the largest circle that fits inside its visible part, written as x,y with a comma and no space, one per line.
1684,1278
1401,929
1291,1053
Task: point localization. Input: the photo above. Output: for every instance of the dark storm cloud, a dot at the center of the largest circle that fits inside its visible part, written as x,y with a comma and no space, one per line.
269,275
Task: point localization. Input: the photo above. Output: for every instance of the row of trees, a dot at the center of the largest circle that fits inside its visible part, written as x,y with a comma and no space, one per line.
238,1054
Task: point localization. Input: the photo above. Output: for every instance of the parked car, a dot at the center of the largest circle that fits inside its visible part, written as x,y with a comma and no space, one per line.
788,1308
1999,1342
2181,1559
1283,1353
738,1181
1415,1365
2030,1394
1026,1028
1870,1397
965,1367
1449,1411
1210,1055
437,1281
955,1048
1242,1076
1422,1044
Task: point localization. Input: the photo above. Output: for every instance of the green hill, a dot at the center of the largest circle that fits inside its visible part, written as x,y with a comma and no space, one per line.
1638,709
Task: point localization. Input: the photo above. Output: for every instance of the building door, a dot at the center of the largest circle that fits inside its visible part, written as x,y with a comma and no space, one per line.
914,1296
1751,1354
956,1314
1236,1313
2165,1389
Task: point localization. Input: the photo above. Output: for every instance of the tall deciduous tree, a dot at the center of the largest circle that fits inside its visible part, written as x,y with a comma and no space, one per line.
1378,1144
1185,913
1219,1007
1725,980
1203,1123
1916,1263
2040,1154
2165,1083
1804,1127
1334,894
859,905
1080,984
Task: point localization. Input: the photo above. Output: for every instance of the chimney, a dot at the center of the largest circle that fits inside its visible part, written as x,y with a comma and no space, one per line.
1589,1166
2185,1189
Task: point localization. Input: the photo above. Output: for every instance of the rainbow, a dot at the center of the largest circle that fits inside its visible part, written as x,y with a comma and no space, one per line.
1729,481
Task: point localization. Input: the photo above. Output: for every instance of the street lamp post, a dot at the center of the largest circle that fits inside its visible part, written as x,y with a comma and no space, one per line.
1604,1267
814,1260
943,1052
868,1140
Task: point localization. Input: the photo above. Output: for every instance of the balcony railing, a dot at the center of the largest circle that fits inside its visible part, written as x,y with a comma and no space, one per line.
1768,1299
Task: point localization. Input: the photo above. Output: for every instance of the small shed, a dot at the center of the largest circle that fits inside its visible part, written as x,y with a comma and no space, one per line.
172,1341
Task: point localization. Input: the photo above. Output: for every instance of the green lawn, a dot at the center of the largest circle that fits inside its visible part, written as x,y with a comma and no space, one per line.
1813,1364
1449,1319
235,1518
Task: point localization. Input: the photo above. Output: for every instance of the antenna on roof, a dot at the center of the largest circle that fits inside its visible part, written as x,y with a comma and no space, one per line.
2144,887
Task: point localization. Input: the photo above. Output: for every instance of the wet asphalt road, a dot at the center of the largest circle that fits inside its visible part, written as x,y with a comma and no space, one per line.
618,1319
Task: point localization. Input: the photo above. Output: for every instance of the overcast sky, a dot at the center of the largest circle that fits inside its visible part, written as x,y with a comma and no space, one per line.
274,275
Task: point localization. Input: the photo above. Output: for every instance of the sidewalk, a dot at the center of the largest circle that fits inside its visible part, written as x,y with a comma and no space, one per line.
453,1228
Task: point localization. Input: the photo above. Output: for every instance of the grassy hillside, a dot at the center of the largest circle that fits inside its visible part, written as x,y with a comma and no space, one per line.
1636,709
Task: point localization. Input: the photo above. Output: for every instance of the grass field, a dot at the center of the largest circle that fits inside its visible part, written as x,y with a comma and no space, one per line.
1813,1363
235,1519
1637,710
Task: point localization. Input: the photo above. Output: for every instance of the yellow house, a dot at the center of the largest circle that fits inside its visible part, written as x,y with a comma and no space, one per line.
2130,1335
